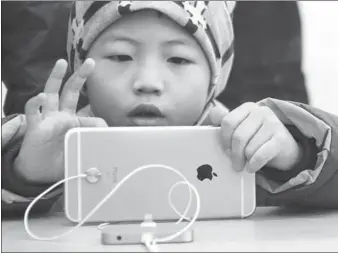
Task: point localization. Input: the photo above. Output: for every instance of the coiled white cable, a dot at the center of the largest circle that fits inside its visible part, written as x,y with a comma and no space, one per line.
30,206
183,216
150,241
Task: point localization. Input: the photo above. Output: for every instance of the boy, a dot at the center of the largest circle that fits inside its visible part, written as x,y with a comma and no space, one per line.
152,63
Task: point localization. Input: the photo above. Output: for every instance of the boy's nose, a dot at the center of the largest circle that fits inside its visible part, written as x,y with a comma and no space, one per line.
148,81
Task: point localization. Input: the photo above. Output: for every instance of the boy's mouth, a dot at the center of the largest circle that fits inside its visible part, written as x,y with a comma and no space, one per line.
147,115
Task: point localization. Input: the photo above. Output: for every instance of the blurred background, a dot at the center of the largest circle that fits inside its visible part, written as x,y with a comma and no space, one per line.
319,53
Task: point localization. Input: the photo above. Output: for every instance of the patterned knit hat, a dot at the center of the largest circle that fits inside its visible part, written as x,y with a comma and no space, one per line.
208,21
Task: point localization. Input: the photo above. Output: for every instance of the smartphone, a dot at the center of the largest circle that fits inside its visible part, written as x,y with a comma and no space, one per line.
197,152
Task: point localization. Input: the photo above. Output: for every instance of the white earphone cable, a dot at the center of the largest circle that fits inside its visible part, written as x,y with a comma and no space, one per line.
182,216
139,169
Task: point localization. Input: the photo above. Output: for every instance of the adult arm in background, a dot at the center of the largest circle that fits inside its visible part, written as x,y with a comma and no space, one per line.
268,54
33,38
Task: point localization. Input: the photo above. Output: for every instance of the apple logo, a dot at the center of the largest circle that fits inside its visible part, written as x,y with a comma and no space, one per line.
205,172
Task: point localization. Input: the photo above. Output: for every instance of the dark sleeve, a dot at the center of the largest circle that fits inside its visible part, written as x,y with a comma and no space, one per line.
323,193
308,159
268,54
33,38
13,183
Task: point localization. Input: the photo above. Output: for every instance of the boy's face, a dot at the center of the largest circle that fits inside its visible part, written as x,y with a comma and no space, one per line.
149,72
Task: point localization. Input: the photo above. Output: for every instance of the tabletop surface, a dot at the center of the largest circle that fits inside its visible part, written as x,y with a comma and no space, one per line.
268,229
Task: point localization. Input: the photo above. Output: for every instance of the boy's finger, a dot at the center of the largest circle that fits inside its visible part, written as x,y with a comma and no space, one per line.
71,91
217,113
32,110
262,136
232,120
264,154
52,87
92,122
242,136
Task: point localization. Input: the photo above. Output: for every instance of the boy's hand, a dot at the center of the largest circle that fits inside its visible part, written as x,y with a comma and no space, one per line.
40,159
254,137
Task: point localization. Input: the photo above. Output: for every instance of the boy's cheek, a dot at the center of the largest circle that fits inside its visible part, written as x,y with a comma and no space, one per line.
184,115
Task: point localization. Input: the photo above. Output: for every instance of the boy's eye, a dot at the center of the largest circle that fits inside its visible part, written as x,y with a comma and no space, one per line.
120,58
179,60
